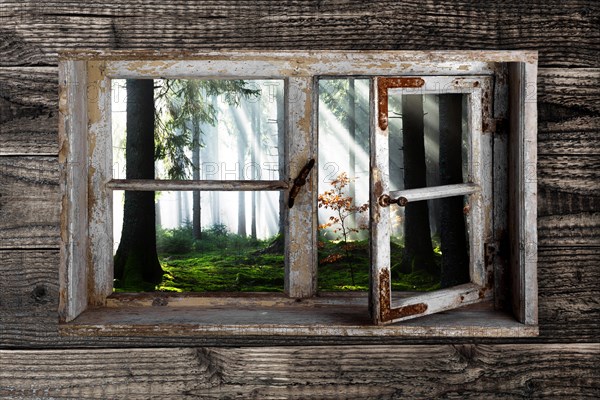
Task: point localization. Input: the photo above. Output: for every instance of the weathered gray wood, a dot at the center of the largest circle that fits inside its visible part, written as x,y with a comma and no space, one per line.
522,191
28,111
162,185
301,220
368,372
73,159
289,320
568,141
569,111
28,281
435,192
29,202
569,230
569,302
34,32
576,174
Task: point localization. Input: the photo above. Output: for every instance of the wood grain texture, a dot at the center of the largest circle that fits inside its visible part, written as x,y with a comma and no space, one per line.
568,111
29,282
29,202
569,294
367,372
28,110
569,230
568,141
565,33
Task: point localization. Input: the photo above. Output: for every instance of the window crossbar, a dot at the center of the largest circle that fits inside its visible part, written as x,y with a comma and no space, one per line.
151,185
403,197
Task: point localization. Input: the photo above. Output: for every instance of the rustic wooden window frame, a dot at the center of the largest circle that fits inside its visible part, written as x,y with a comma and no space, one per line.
86,282
384,307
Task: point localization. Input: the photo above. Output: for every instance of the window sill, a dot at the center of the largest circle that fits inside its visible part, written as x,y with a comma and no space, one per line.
268,314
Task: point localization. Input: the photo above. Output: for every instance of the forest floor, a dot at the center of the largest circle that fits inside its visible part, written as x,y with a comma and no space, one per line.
225,262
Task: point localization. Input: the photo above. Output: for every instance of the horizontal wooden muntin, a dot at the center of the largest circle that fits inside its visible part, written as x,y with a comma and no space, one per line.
150,185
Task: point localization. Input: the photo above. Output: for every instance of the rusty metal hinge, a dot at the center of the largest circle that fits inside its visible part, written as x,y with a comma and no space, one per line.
300,181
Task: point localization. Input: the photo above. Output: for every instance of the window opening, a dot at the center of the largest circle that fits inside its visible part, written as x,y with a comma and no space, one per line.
207,132
343,188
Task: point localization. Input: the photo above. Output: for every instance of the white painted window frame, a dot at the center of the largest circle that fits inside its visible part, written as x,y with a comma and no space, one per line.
86,167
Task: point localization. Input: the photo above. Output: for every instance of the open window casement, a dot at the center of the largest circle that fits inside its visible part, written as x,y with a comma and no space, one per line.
473,187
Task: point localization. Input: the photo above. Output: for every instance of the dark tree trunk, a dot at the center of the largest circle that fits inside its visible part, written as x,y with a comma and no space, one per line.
418,249
242,143
255,161
196,210
455,257
136,262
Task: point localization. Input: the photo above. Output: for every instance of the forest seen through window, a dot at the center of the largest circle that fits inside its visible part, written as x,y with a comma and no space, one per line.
223,130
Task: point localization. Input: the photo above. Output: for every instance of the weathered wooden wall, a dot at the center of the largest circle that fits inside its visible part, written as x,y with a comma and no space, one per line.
562,362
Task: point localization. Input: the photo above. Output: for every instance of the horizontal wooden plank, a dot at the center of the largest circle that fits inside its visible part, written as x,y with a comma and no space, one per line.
34,32
28,111
569,294
569,230
577,174
367,372
29,280
568,111
296,319
29,202
568,144
556,201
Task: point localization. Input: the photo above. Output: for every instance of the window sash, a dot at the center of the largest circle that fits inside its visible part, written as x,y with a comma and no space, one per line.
383,308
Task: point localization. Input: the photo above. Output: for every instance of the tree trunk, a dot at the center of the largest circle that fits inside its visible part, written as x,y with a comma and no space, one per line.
136,262
418,249
196,210
242,143
255,161
455,257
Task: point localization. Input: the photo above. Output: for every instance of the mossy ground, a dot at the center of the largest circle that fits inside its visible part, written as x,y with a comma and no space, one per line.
335,268
226,262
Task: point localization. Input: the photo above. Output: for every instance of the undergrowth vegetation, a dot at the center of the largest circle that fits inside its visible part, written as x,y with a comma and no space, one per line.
219,261
224,261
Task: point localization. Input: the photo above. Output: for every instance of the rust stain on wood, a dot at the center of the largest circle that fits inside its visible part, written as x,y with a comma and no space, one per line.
383,84
406,311
387,313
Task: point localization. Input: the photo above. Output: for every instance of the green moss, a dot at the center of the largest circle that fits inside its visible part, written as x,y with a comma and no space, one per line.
227,262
